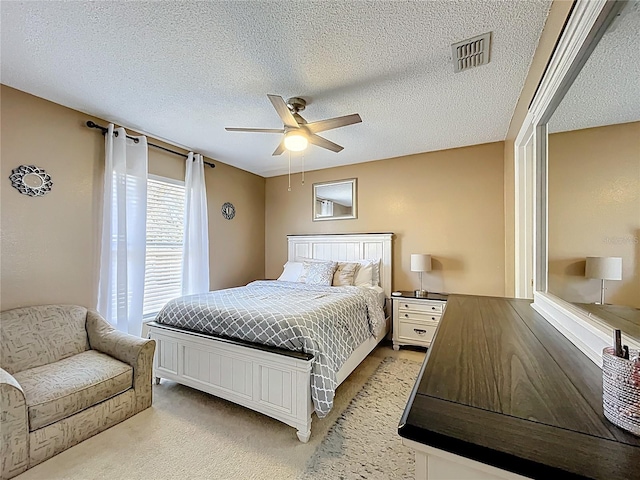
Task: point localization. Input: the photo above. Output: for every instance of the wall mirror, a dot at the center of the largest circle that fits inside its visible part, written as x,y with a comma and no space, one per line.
584,125
336,200
594,175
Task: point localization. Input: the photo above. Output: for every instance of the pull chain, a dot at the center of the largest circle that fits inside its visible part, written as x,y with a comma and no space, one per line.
289,170
303,169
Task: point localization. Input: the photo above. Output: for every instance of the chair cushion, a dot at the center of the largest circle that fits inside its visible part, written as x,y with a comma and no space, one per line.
35,336
61,389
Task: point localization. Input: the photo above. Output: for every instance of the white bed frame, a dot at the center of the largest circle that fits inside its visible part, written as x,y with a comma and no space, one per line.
275,384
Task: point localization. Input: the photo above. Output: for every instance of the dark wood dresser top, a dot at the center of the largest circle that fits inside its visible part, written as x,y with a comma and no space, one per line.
502,386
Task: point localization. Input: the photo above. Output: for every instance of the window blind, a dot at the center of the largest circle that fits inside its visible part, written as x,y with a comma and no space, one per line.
165,223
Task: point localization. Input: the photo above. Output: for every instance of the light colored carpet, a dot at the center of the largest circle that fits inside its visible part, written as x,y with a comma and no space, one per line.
190,434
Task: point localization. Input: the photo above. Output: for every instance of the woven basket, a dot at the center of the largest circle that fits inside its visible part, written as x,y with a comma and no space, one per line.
621,390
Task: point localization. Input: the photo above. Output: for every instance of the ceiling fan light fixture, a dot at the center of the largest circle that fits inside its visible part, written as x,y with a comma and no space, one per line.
298,133
295,141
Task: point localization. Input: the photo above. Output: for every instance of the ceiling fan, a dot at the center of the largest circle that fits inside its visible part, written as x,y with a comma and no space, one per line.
297,132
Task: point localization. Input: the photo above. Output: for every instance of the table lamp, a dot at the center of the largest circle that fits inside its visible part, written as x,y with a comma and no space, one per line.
603,268
420,262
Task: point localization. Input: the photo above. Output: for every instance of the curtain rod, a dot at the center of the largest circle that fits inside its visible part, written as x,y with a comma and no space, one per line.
104,130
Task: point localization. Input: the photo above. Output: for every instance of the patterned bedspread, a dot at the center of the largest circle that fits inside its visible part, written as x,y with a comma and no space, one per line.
327,322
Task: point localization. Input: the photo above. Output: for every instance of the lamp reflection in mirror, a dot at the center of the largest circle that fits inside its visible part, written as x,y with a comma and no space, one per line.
603,268
295,141
420,262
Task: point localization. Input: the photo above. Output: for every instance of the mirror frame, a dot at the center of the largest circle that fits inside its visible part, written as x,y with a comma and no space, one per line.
587,23
354,198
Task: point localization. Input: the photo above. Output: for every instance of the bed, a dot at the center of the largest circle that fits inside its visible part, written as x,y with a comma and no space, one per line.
283,383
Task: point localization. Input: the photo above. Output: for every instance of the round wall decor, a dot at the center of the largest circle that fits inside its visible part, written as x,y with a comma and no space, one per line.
31,180
228,210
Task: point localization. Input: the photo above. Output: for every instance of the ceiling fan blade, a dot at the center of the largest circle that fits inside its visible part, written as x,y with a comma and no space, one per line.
324,143
283,111
279,150
255,130
331,123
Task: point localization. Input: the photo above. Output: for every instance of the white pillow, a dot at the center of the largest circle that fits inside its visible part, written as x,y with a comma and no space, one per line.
369,273
291,272
364,277
375,281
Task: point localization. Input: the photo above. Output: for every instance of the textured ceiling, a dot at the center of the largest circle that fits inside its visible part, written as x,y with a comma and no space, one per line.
607,90
182,71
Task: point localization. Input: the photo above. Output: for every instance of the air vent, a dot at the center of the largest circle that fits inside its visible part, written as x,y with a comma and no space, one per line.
471,53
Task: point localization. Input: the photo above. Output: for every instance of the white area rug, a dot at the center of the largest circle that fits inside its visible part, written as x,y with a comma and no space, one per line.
188,434
364,443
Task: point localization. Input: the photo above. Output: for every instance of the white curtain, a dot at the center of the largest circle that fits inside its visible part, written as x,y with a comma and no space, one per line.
195,261
124,219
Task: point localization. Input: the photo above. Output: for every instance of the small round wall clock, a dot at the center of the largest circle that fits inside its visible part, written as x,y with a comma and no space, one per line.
31,180
228,210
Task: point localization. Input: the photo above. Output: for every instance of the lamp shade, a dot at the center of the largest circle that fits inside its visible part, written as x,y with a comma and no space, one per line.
604,268
420,262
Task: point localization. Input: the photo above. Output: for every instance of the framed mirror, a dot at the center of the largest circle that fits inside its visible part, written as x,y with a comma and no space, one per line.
336,200
583,128
593,165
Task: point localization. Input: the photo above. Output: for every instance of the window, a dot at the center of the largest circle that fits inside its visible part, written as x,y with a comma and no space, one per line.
165,222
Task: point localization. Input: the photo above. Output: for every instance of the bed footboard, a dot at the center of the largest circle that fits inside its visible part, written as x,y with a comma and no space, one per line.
276,385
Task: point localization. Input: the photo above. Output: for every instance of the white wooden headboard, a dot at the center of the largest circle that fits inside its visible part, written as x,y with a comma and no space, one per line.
346,247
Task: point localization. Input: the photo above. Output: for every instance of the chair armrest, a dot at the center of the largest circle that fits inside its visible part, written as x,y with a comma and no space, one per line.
14,451
105,338
135,351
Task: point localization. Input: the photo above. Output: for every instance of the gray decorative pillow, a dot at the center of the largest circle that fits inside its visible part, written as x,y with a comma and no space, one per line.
317,273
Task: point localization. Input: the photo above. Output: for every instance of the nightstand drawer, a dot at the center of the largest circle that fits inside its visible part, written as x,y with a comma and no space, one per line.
417,317
423,306
416,332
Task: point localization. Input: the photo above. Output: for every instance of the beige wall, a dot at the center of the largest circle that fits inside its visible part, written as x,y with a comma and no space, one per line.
447,203
556,19
49,245
594,210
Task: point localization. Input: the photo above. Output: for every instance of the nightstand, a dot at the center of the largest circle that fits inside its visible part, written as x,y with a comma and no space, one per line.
415,319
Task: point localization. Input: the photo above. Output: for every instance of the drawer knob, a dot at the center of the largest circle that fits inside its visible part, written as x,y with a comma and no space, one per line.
433,308
406,306
419,331
406,315
433,318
